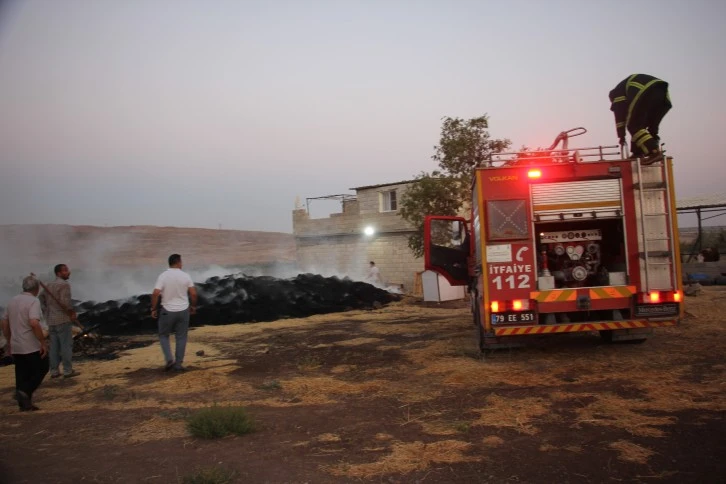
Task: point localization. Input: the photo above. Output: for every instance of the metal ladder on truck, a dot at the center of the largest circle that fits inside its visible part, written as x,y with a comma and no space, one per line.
654,199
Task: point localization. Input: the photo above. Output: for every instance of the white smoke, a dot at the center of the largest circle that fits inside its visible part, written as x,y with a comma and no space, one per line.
119,262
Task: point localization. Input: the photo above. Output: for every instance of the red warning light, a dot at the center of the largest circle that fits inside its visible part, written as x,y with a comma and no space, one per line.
534,173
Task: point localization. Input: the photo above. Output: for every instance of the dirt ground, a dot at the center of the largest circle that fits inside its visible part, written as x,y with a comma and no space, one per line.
398,394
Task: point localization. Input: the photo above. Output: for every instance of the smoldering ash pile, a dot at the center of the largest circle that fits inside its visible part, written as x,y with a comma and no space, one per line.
238,298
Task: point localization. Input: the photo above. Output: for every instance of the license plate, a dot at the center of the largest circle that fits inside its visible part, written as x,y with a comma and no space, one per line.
514,317
656,310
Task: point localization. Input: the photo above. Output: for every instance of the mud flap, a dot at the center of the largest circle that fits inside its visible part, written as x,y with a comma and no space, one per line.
634,334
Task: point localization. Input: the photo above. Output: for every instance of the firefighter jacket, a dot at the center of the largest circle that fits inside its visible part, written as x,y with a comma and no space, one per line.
625,97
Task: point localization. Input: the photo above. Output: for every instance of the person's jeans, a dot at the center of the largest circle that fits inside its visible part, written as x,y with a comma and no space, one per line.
176,322
30,369
61,347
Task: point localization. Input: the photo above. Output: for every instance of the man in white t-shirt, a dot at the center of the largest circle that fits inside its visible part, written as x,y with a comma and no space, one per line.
176,290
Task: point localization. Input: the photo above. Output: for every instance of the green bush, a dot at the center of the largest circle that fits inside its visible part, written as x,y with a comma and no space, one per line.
210,475
215,422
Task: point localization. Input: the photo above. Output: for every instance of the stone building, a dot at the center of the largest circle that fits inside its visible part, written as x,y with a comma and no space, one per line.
338,244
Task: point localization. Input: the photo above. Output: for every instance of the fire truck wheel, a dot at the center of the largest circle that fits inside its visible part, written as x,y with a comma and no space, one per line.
480,338
479,330
474,308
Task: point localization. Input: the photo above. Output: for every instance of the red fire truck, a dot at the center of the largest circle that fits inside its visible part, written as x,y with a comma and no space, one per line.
564,240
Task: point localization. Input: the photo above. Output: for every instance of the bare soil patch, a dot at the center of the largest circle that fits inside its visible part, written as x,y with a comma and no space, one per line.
397,394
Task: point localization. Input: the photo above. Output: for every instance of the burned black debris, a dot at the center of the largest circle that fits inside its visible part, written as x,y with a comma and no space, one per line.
240,299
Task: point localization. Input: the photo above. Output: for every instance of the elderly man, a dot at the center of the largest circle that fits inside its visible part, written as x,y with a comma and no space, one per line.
21,327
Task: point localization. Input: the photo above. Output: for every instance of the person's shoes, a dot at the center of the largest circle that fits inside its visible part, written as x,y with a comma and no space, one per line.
169,366
55,375
23,400
71,374
180,368
31,408
650,159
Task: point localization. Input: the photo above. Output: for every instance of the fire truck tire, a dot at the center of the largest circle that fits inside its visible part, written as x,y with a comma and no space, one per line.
474,307
479,329
480,338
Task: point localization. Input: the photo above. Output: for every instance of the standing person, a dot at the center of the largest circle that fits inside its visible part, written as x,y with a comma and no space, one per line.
176,290
21,327
56,304
374,275
640,102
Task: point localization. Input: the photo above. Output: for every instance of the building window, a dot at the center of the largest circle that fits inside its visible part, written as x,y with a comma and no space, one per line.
389,203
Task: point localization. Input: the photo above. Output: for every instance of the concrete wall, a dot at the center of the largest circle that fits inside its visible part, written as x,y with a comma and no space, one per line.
336,245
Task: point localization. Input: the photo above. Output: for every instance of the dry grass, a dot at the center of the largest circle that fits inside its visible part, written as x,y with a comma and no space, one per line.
630,452
639,389
303,386
337,370
405,458
516,414
492,441
156,428
328,437
358,341
443,428
613,411
213,379
319,390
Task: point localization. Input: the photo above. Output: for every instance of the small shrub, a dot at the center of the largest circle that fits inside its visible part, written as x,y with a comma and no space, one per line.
215,422
210,475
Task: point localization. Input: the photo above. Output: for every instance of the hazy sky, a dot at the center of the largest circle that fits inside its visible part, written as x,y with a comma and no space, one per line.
199,113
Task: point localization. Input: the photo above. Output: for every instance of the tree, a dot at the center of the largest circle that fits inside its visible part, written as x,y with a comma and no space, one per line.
464,145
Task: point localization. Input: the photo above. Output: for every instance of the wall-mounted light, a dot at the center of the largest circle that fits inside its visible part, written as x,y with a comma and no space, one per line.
369,230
